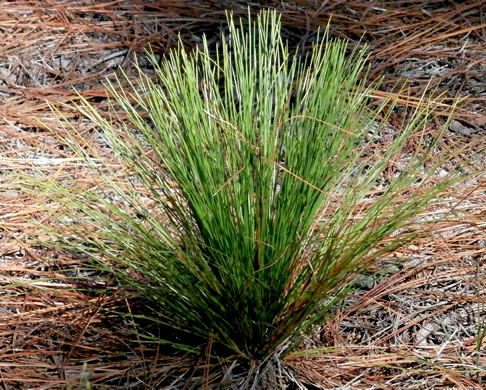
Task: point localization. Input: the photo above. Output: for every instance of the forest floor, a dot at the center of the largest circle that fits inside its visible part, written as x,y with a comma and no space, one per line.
421,326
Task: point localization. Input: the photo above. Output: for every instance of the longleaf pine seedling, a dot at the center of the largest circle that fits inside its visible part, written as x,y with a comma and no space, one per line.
248,193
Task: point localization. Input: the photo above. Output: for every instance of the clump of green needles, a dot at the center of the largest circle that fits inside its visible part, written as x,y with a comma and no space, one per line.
258,165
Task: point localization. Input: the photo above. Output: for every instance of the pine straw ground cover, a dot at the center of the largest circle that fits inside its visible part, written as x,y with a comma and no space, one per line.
418,327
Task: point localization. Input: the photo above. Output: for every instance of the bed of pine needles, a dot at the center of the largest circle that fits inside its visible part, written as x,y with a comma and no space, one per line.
421,326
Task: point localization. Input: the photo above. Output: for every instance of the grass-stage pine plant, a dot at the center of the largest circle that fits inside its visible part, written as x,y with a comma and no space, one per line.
247,192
